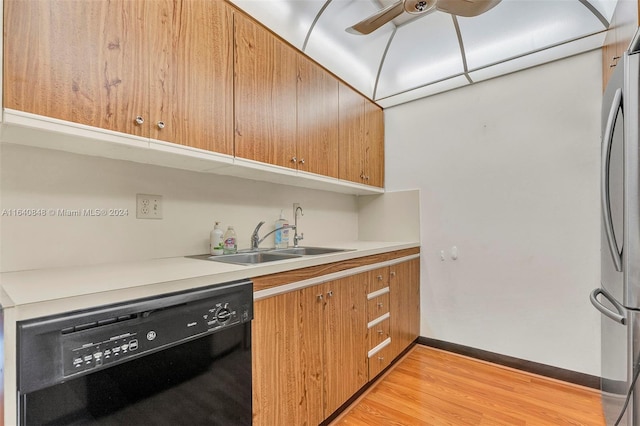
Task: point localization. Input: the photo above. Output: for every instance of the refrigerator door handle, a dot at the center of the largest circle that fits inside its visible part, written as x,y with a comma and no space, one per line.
604,181
619,316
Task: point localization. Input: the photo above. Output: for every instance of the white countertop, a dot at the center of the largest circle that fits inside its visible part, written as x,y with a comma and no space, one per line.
50,291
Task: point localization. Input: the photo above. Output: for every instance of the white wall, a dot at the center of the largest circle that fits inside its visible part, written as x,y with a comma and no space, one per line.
392,216
47,179
508,172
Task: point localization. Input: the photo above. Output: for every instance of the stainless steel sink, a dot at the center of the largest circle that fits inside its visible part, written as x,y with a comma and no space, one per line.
268,255
252,258
309,251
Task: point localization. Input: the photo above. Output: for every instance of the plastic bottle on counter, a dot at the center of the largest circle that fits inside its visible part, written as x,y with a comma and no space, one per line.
216,245
282,235
230,244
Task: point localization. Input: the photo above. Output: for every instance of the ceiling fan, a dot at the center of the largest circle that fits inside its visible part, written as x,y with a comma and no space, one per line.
466,8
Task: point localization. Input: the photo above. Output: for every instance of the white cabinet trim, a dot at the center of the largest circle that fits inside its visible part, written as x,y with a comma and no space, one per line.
24,128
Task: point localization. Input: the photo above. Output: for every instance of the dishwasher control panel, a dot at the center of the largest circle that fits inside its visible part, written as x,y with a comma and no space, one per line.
95,345
55,348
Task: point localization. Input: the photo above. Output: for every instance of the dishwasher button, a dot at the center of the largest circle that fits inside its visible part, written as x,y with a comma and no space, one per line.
98,358
133,345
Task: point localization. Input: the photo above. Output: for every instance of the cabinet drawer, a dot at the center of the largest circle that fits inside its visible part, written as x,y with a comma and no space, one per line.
377,306
377,279
379,333
379,361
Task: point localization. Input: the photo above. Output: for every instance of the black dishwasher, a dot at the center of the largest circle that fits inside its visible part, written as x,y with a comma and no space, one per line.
177,359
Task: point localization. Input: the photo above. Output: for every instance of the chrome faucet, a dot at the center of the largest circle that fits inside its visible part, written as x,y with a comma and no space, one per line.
297,237
256,240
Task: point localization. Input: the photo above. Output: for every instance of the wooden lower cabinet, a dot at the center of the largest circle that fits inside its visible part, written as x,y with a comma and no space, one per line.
309,352
310,347
404,295
346,340
379,361
287,343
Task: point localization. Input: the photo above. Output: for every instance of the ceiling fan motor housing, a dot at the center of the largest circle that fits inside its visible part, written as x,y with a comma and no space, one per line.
417,7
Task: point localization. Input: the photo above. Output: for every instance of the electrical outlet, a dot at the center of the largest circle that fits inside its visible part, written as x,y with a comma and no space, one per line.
148,206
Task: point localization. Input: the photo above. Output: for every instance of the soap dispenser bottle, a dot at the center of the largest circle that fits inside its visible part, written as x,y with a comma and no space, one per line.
282,235
216,240
230,245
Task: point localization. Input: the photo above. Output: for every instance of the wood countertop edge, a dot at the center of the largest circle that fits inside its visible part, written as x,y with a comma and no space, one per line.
271,281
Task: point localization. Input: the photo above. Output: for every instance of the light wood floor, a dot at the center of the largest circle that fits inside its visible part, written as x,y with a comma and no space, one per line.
434,387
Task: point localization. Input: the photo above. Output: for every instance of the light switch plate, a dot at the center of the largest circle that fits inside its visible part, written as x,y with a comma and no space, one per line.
148,206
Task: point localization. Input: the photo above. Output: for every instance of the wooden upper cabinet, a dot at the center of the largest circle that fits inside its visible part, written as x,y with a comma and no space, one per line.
265,95
106,63
317,102
624,23
361,139
78,61
351,128
191,82
373,144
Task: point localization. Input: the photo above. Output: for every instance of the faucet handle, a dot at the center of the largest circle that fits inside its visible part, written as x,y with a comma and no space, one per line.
255,239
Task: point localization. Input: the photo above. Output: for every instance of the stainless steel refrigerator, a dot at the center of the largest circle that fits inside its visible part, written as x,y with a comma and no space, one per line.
618,297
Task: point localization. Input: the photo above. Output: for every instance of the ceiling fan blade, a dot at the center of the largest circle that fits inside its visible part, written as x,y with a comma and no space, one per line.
374,22
466,8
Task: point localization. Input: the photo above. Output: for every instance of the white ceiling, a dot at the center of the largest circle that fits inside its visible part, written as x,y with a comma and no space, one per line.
435,52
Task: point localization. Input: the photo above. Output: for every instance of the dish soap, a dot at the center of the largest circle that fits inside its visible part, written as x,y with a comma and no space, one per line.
282,235
230,244
216,245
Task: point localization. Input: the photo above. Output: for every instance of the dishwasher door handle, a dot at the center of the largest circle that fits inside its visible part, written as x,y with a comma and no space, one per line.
617,317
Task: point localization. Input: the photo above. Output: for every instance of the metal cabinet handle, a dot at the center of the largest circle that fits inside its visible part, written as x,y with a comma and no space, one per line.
294,160
380,358
380,332
393,273
302,161
320,297
605,199
380,304
139,119
160,124
617,317
379,277
330,294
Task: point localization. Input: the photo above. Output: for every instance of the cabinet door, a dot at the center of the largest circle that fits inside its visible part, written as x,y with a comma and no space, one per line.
317,149
191,78
287,359
404,285
80,61
265,95
374,145
346,340
351,128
